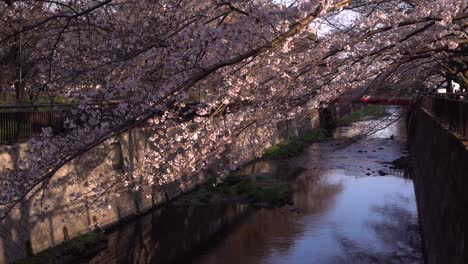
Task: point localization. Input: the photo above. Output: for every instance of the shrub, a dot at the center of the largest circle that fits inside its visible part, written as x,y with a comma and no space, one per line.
294,146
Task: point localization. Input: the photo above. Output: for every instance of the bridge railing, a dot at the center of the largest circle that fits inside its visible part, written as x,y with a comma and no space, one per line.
450,109
20,123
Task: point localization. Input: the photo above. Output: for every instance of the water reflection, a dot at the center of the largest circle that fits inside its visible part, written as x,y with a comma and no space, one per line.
344,212
170,234
340,220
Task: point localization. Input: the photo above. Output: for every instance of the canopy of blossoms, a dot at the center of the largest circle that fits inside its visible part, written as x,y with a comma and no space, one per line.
128,63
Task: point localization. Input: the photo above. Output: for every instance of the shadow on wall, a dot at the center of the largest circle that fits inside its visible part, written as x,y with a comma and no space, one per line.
23,232
177,234
15,237
440,163
170,233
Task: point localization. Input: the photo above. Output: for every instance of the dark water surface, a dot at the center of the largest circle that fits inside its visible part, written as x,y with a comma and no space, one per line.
349,207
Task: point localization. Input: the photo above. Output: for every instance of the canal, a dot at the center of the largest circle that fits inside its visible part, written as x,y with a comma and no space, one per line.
349,206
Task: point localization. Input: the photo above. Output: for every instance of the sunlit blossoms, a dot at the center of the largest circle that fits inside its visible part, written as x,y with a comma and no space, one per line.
199,74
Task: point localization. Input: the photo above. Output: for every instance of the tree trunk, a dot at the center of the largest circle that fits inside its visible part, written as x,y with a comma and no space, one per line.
19,88
449,85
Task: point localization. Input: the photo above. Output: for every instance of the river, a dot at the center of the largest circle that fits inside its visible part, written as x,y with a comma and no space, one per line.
349,207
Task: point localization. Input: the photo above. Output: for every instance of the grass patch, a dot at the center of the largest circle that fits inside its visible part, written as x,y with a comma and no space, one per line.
369,112
79,246
294,146
82,243
39,259
287,148
315,135
258,190
263,191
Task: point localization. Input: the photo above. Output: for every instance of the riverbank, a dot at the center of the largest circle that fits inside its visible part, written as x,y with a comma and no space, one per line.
295,145
242,197
339,214
257,190
71,251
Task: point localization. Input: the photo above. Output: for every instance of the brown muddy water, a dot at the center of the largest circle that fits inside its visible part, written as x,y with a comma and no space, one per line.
349,207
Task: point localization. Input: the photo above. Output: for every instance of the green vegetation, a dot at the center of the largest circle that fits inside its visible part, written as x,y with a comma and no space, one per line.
82,243
315,135
369,112
79,246
265,191
9,98
39,259
260,189
295,145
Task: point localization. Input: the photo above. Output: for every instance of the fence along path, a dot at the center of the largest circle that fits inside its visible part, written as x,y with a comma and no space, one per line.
19,123
452,109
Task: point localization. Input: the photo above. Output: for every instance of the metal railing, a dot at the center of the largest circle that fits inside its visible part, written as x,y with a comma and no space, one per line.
453,112
20,123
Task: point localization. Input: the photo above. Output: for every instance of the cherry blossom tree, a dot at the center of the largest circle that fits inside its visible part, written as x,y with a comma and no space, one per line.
134,63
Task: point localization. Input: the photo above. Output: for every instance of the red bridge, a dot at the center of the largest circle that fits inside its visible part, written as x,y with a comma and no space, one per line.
386,101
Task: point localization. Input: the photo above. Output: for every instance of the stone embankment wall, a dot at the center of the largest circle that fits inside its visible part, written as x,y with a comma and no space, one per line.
23,233
440,164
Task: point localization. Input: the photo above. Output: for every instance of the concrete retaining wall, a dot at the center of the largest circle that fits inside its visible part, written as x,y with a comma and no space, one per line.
23,232
440,164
